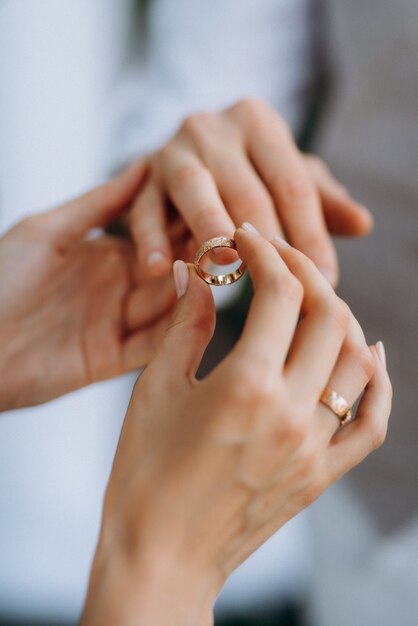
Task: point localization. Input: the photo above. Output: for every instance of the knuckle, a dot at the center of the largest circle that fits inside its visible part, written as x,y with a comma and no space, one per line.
255,111
365,361
164,156
33,224
184,175
293,189
250,106
314,240
336,311
284,285
197,125
249,388
357,354
291,287
296,429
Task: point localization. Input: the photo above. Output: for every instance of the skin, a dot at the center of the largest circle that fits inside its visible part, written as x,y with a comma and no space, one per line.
73,311
207,470
237,165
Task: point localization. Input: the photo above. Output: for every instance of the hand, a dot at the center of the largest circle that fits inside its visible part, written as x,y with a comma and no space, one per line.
207,470
241,164
71,310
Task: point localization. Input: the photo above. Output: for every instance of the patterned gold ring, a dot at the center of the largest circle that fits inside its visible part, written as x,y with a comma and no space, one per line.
337,404
222,279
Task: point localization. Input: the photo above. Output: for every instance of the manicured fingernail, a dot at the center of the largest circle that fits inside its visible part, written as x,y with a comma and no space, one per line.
250,228
155,257
328,273
381,353
281,242
181,278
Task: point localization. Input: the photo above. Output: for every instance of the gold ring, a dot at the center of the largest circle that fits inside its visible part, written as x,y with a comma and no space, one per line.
337,404
222,279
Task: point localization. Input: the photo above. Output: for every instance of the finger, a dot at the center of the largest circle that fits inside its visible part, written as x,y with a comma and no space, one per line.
352,372
148,302
149,230
191,327
275,307
320,334
244,194
193,191
140,347
71,222
343,215
356,440
281,167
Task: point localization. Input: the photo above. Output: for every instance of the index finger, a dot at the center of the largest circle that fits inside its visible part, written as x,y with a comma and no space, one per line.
274,310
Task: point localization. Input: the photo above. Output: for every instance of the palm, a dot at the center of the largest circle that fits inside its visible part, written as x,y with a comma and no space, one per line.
77,316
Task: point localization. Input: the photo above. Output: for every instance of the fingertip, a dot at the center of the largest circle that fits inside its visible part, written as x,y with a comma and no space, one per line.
381,353
366,220
353,220
157,263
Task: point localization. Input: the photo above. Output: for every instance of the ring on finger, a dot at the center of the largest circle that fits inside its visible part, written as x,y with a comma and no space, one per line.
337,404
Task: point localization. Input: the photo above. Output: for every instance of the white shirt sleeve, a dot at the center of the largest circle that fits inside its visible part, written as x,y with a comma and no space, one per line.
201,55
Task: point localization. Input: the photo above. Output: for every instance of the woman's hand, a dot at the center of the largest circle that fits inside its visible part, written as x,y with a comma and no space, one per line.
207,470
222,169
72,311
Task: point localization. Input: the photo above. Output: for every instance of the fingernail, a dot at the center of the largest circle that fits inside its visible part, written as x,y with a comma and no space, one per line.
328,273
381,353
181,278
281,242
250,228
155,257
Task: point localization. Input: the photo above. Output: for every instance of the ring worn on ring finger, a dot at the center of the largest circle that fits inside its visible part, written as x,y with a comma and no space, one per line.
337,404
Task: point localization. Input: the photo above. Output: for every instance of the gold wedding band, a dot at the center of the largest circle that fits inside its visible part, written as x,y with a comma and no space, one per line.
337,404
222,279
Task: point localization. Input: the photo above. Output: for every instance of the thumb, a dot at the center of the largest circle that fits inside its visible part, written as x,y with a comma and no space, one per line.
191,327
72,221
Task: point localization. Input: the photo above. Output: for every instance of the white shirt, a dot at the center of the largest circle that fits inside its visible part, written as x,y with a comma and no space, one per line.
56,60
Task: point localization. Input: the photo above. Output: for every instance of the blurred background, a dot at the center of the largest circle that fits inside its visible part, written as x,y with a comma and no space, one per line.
84,88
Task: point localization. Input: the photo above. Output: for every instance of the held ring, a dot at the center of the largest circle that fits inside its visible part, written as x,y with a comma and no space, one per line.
221,279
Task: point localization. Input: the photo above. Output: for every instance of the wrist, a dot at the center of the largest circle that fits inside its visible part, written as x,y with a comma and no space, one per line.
152,589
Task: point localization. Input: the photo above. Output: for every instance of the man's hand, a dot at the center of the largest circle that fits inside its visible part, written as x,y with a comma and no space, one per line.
224,168
72,311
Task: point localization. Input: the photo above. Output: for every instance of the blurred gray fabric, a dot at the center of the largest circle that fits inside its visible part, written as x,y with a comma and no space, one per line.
366,529
371,144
